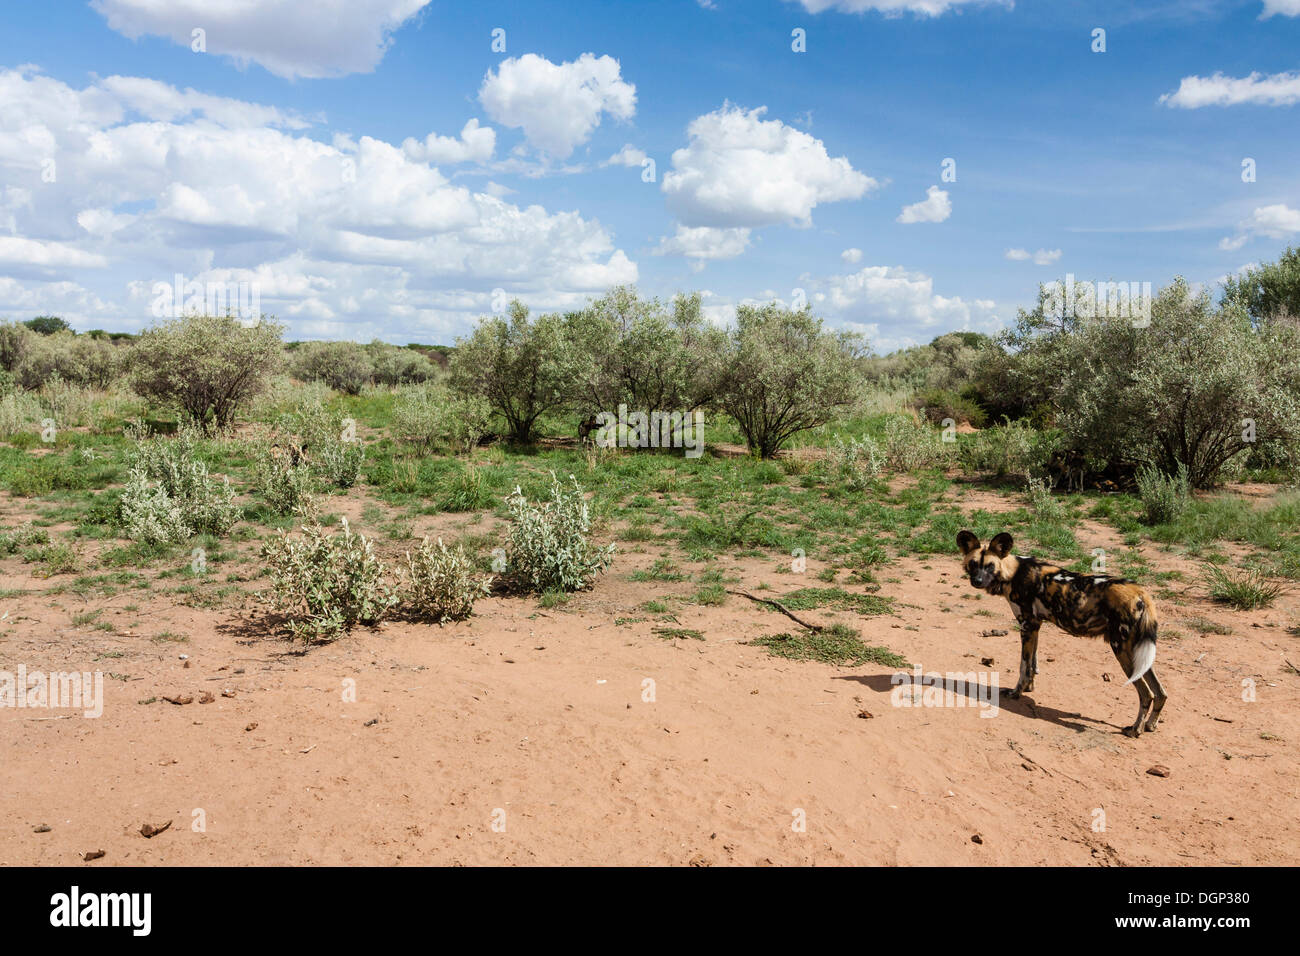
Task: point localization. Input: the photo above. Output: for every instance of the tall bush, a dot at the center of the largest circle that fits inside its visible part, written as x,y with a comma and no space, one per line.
633,351
208,366
780,373
522,367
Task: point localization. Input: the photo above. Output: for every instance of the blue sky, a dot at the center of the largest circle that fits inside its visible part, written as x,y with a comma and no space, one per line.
319,151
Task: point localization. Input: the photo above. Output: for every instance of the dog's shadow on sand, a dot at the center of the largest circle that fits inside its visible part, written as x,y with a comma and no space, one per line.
978,694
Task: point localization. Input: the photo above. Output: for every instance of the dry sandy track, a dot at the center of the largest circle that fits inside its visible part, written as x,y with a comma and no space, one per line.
541,714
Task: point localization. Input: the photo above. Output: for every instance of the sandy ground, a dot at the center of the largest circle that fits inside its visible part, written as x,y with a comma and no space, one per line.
531,736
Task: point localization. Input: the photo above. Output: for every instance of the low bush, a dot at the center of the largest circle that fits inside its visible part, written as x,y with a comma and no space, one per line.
432,417
1164,497
442,584
206,506
393,365
334,452
343,366
911,445
1013,449
938,405
1043,504
24,536
324,584
149,515
207,366
68,404
282,482
19,412
857,462
550,547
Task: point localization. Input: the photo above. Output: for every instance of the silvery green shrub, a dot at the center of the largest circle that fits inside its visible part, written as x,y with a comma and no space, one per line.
1013,449
911,444
83,360
442,584
394,365
1193,385
324,584
639,352
334,451
343,366
149,514
183,487
20,411
1164,497
1269,291
550,547
1041,502
25,535
858,461
523,368
285,485
431,416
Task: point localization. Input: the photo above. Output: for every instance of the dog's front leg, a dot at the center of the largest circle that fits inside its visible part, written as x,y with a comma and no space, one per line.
1028,656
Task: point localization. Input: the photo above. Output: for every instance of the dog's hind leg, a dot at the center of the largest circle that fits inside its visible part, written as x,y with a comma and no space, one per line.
1125,658
1159,695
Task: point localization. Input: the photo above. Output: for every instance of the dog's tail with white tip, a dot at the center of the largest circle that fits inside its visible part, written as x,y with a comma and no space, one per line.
1144,651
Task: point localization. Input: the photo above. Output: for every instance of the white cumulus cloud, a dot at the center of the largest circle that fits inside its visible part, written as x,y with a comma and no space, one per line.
1043,257
290,38
353,238
557,105
935,207
704,242
740,170
1194,92
895,8
896,307
475,145
1278,221
1287,8
629,155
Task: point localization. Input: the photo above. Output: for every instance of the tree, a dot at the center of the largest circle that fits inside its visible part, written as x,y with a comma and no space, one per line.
1268,291
627,350
780,374
15,340
1199,387
207,365
343,366
47,324
521,366
78,359
394,365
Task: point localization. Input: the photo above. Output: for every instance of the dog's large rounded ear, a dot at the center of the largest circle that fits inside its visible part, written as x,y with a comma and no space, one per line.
1001,545
967,542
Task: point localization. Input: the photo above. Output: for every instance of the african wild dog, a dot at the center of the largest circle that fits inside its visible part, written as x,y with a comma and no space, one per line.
1067,466
1087,605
